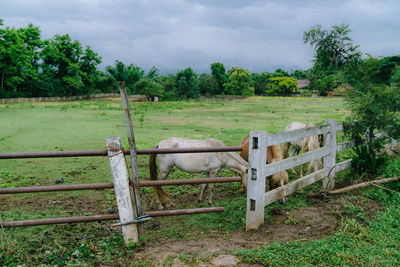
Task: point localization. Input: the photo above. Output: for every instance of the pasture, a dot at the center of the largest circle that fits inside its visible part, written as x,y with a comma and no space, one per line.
194,239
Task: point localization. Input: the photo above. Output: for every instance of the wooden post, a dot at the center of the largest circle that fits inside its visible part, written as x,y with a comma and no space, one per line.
132,150
256,180
328,182
119,173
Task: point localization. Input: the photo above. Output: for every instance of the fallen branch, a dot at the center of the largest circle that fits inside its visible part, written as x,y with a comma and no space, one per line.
356,186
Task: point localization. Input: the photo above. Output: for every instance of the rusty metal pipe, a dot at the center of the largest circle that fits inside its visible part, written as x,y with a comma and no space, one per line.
94,218
72,187
52,188
94,153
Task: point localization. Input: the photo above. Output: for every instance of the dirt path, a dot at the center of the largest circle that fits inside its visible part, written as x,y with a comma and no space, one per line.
215,248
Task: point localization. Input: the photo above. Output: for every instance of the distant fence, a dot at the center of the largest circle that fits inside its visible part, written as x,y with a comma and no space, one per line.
66,98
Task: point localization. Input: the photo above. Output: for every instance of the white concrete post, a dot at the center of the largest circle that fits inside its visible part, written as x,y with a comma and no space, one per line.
120,176
256,180
328,183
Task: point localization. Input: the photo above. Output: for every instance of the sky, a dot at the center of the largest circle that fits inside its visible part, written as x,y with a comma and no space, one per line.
175,34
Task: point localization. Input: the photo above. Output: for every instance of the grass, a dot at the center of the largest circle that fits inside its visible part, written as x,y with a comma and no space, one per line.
84,125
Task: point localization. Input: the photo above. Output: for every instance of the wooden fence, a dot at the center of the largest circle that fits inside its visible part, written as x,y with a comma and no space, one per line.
66,98
257,198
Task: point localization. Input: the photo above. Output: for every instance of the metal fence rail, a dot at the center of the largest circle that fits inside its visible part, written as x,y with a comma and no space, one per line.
73,187
108,217
94,153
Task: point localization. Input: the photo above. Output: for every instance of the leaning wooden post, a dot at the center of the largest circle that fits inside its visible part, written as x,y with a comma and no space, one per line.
328,182
119,172
132,150
256,180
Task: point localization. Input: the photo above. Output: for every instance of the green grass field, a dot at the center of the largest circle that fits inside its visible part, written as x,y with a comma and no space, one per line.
84,125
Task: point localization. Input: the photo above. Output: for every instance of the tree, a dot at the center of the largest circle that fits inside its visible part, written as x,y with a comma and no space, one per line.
281,86
68,67
260,82
299,74
208,85
19,56
333,49
219,75
187,84
374,106
169,86
239,81
150,88
129,74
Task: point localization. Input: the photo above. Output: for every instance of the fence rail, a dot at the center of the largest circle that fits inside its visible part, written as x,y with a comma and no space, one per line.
94,153
107,217
73,187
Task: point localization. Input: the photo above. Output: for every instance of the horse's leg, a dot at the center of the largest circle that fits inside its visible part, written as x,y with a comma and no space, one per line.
292,152
213,173
165,168
203,188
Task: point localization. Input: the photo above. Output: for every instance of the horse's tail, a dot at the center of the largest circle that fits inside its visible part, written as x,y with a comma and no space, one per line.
153,166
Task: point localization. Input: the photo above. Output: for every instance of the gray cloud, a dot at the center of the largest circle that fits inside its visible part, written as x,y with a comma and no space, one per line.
172,35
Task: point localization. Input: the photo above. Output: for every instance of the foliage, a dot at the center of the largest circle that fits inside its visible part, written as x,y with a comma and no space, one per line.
31,67
19,60
283,86
219,75
149,87
239,81
374,108
169,86
187,84
333,49
129,74
68,67
260,81
299,74
208,85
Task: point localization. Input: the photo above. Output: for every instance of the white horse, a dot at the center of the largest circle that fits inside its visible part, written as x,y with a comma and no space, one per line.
309,143
193,163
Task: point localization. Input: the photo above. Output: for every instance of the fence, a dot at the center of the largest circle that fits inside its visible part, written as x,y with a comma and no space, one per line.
257,198
121,185
65,98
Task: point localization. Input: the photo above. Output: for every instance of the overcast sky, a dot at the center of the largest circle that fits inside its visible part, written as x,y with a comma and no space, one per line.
175,34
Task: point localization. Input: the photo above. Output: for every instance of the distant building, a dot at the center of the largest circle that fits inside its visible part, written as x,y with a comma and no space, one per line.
302,83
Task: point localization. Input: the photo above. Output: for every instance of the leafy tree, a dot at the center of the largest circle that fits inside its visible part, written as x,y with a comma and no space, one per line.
374,108
280,73
68,67
219,75
333,49
260,80
19,55
239,82
281,86
129,74
150,88
208,85
169,86
299,74
187,84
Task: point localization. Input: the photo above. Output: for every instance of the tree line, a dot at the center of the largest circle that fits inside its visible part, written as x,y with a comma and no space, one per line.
60,66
